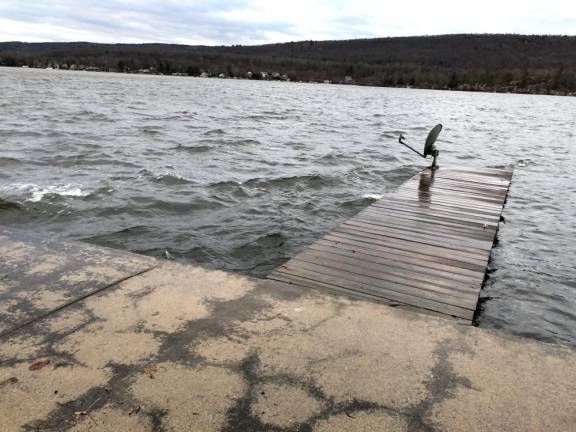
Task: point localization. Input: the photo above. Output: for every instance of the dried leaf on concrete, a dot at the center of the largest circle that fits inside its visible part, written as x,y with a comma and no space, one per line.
151,371
39,364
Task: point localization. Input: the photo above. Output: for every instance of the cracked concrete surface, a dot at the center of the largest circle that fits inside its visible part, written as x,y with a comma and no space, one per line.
181,348
37,276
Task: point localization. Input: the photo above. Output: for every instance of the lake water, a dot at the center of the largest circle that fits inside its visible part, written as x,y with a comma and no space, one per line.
243,175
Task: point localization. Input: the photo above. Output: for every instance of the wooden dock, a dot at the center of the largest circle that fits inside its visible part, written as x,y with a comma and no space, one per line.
424,247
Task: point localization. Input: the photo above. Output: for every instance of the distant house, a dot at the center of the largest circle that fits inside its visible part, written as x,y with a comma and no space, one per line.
327,82
221,75
204,75
348,79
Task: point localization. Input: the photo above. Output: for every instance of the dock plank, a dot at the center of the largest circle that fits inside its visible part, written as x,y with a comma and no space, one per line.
456,211
425,246
393,292
478,231
359,244
399,256
386,288
393,261
385,272
417,230
412,243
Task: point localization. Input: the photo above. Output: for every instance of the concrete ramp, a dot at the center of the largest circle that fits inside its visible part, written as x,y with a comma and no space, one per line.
39,276
181,348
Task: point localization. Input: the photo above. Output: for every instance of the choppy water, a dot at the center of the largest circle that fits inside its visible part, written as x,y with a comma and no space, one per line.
242,175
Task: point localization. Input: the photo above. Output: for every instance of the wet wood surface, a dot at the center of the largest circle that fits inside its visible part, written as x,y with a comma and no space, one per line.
425,246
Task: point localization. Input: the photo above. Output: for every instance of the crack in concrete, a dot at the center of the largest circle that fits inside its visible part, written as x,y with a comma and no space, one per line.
441,385
72,302
240,417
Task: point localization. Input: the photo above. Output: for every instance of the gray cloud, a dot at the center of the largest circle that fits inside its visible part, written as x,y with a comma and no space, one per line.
261,21
154,21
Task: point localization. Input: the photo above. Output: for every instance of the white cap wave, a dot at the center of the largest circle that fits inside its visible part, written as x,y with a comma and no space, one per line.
36,192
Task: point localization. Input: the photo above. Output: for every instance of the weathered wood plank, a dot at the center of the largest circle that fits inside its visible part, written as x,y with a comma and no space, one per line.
374,280
427,269
441,194
421,253
447,206
480,231
386,271
397,296
474,179
413,243
468,188
465,220
460,243
491,187
457,233
448,209
484,172
438,263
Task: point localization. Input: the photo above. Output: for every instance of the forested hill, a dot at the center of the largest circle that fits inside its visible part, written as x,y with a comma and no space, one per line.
514,63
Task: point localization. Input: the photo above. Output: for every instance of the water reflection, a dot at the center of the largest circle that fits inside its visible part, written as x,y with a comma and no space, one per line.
424,184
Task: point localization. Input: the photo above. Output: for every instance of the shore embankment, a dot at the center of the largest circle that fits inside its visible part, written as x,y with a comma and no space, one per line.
96,339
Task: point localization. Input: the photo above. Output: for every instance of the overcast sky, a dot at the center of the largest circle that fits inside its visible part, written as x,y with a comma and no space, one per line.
216,22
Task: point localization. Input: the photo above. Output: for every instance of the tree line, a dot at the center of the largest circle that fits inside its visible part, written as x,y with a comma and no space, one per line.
485,62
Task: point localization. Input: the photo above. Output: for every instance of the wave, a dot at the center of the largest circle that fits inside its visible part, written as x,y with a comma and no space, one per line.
242,141
275,239
260,245
166,178
225,184
271,116
171,179
466,156
372,196
83,159
6,161
215,132
222,143
362,202
315,181
193,148
119,235
9,205
37,193
181,207
332,157
150,131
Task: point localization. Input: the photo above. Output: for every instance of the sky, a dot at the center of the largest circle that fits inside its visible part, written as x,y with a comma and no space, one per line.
249,22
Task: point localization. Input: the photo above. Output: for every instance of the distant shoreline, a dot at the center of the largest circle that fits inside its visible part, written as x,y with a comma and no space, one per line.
478,89
543,65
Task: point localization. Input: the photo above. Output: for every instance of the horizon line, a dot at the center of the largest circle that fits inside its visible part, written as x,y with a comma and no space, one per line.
298,41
